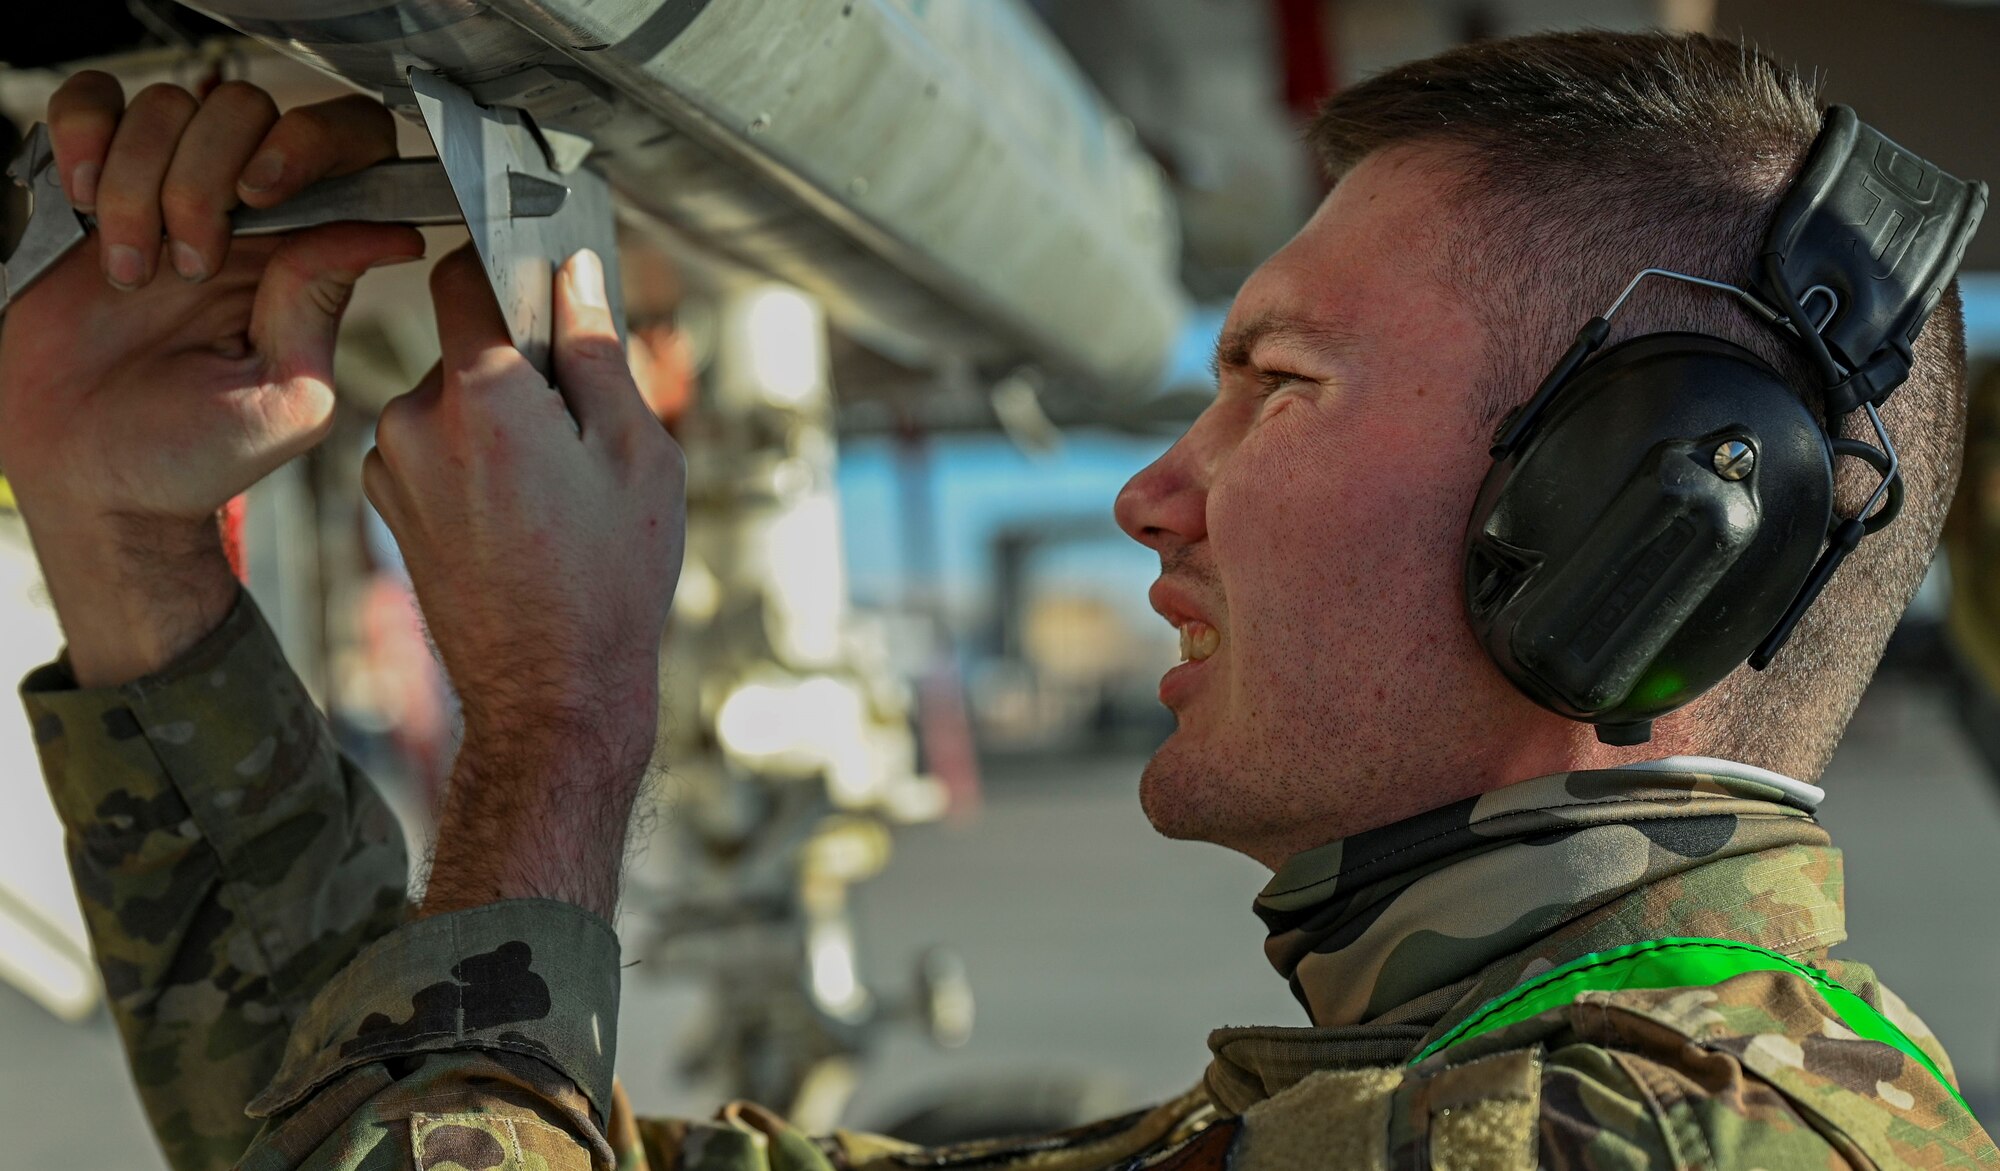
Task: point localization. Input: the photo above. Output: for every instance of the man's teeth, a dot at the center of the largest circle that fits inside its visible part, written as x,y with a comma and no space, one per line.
1198,641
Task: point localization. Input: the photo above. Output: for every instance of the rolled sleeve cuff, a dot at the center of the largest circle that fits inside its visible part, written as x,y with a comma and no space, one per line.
529,976
229,700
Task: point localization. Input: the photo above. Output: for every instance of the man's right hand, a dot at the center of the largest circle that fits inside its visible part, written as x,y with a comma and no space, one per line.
162,368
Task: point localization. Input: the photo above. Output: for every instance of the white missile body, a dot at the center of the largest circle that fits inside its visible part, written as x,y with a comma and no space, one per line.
937,171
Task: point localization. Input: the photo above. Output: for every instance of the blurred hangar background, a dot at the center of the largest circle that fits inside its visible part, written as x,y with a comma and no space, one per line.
919,283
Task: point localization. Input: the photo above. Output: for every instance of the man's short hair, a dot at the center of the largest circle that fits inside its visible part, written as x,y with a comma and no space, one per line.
1581,158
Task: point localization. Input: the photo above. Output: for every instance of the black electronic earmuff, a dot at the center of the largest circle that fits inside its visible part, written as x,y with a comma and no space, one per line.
1661,512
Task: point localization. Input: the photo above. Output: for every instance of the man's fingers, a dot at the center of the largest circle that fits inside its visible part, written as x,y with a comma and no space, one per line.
472,335
306,287
399,437
378,483
200,188
83,115
128,195
591,367
314,142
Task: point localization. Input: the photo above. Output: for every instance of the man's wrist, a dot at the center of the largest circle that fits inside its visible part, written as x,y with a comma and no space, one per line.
132,593
539,811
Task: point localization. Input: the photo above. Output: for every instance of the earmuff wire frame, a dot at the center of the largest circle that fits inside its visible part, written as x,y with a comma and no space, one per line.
1521,423
1874,521
1834,373
1597,329
1847,535
1755,303
1890,468
1892,474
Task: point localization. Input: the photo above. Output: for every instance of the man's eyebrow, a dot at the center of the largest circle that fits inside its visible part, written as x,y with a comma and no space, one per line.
1234,347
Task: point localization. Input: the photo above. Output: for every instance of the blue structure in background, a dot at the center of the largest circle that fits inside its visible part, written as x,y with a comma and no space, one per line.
1981,291
982,485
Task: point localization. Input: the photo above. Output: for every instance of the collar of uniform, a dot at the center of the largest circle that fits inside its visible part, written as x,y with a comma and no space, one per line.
1793,791
1394,926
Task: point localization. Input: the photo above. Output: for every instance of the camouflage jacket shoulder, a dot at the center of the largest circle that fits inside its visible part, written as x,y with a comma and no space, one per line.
1756,1071
1752,1073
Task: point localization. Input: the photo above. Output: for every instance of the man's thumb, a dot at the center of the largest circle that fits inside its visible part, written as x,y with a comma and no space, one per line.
306,287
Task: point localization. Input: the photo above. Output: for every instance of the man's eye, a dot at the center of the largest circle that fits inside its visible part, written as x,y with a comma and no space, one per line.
1270,382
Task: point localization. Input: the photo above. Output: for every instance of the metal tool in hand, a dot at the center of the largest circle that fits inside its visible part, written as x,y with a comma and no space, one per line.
405,191
494,174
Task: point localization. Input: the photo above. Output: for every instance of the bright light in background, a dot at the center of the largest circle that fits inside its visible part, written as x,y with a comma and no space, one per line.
37,958
699,594
807,602
785,341
835,983
802,728
848,850
755,722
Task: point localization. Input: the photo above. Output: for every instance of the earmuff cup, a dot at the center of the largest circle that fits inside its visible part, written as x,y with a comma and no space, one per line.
1616,567
1661,511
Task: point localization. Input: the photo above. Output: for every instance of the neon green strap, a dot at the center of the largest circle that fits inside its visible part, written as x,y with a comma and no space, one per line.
1675,963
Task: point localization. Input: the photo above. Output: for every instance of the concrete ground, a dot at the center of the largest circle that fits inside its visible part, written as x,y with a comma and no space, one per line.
1102,953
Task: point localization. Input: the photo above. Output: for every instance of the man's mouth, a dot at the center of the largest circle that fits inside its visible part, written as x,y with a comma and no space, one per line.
1199,640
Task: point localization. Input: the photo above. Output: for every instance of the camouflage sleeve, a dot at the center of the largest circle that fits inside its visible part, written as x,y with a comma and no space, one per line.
479,1040
483,1040
227,860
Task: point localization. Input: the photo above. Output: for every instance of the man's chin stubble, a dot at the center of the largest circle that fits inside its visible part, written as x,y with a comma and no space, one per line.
1263,805
1190,803
1162,797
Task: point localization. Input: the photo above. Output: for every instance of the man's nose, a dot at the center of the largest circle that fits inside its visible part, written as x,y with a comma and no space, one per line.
1166,505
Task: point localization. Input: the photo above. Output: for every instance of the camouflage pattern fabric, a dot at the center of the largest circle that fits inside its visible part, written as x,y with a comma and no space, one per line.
1392,937
550,994
236,867
1365,927
228,863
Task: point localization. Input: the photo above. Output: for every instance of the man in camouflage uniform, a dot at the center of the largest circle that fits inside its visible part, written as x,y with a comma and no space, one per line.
1435,839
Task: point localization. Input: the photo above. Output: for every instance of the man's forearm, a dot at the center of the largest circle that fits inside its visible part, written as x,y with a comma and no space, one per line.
133,594
540,812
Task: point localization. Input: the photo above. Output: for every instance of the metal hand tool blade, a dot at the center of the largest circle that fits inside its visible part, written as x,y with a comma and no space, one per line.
53,226
489,153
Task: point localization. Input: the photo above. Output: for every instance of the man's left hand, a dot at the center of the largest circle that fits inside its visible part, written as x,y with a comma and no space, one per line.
543,528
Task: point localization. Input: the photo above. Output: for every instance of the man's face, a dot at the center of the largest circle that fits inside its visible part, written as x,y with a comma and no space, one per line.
1309,528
